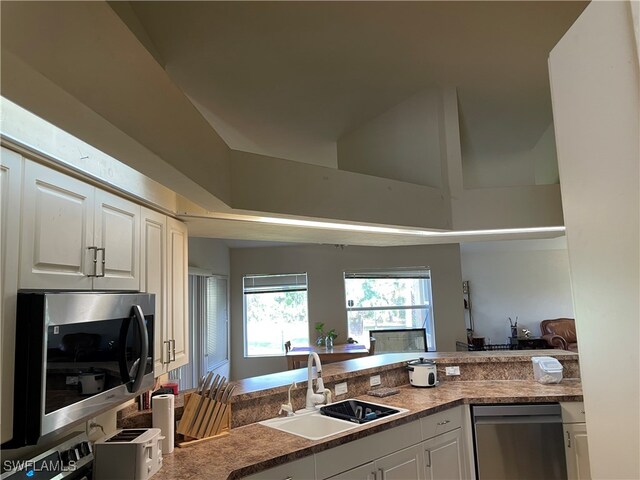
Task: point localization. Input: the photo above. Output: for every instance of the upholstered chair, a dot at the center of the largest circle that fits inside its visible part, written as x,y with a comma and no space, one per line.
560,333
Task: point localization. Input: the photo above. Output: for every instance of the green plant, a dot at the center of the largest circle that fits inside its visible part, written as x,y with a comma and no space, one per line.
332,334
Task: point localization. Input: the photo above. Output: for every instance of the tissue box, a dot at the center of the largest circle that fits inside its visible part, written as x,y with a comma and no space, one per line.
547,369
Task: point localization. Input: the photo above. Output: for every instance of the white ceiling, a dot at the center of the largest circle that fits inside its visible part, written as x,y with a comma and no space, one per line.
287,79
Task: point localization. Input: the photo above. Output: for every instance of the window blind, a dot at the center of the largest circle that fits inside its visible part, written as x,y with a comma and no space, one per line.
418,272
289,282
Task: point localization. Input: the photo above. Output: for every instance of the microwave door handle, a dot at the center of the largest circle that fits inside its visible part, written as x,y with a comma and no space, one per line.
122,353
142,364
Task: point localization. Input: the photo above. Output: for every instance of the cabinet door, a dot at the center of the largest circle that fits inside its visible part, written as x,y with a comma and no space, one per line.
117,230
444,457
403,465
57,229
177,292
301,469
10,178
577,451
153,279
363,472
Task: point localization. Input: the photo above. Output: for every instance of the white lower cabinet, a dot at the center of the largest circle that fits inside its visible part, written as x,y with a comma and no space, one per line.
444,447
403,465
444,457
381,447
576,448
301,469
429,449
363,472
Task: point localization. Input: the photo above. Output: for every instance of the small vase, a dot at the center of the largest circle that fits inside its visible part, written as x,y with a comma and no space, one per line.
320,340
328,342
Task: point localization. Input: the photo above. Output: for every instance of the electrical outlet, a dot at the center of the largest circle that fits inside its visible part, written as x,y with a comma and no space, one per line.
452,370
341,388
374,380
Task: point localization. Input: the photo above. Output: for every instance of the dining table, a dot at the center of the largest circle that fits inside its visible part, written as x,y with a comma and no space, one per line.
298,355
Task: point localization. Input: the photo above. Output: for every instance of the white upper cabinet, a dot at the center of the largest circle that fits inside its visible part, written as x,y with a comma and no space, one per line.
117,227
75,236
153,279
177,293
10,178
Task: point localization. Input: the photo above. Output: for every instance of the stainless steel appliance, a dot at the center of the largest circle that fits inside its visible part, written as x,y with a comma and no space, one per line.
519,441
134,454
70,459
78,354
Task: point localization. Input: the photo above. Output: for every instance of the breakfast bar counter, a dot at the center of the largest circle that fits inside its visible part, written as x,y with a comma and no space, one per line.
253,448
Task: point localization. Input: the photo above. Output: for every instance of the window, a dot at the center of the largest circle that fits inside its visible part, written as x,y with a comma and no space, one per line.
391,299
275,311
208,327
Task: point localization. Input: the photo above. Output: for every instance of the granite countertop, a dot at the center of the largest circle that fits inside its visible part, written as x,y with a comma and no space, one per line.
253,448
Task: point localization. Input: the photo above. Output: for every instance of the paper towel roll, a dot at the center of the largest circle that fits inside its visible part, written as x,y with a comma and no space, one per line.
163,418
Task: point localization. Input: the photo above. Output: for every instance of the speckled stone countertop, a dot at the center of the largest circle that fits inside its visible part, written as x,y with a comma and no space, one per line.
253,448
266,385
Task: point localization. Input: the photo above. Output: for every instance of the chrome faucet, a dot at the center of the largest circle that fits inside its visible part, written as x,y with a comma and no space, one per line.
322,395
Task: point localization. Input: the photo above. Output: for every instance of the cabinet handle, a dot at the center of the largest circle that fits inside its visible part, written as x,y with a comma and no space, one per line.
428,459
381,474
444,423
173,350
104,259
95,261
168,342
568,439
375,475
288,478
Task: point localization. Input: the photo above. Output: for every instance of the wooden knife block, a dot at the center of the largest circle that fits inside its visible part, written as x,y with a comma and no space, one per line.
182,439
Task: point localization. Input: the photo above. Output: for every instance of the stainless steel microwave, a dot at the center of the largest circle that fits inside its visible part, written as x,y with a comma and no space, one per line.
78,354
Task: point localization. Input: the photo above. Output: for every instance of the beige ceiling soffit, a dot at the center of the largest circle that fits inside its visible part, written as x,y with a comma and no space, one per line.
120,81
378,231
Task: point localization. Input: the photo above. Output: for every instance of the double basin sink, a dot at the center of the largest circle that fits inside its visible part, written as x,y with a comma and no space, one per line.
332,419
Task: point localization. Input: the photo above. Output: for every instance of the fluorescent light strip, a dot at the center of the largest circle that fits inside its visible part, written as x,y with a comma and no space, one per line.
399,231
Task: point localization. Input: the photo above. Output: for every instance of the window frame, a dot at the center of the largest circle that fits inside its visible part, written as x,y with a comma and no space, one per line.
245,339
422,273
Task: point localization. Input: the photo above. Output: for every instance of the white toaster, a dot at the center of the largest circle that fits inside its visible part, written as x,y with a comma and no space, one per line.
129,454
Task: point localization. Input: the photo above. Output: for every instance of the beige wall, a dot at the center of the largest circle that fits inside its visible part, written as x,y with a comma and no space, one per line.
595,90
274,185
325,265
209,254
402,143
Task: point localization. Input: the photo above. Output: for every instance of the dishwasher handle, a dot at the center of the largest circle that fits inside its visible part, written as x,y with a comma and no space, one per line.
521,419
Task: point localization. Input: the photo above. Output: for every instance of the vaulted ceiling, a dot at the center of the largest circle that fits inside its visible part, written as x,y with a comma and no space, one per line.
288,79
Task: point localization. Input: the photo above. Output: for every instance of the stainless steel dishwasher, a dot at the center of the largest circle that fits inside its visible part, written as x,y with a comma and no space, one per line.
523,442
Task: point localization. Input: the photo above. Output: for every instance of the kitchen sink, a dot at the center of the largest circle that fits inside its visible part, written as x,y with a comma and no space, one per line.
332,419
310,425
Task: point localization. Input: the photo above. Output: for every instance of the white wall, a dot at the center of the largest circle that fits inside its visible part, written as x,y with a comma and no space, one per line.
528,279
401,143
595,89
325,265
